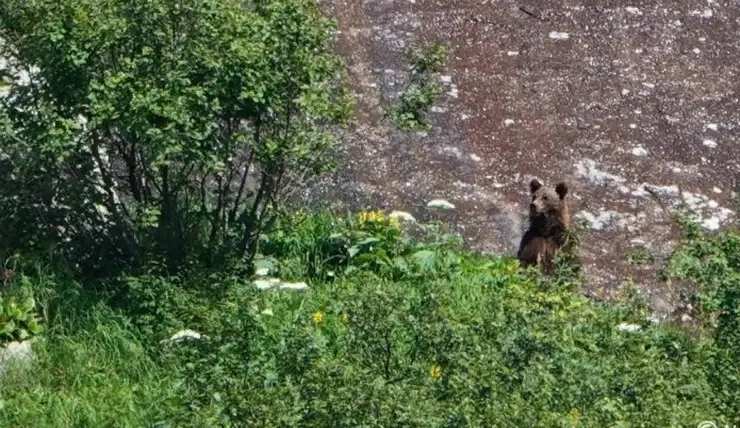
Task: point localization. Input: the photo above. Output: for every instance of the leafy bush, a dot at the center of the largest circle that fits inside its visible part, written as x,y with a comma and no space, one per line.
151,128
712,261
322,247
18,319
476,342
488,348
414,103
19,311
460,339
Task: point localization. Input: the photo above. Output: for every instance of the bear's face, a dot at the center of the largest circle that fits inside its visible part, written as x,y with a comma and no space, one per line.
548,206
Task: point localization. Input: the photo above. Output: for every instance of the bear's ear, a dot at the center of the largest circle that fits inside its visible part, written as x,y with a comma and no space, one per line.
561,189
534,185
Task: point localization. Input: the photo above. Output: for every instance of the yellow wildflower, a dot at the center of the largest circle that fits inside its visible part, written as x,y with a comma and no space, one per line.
435,371
394,222
317,317
370,216
573,414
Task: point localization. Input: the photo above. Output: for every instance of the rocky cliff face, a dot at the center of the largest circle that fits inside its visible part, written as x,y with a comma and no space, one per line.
636,107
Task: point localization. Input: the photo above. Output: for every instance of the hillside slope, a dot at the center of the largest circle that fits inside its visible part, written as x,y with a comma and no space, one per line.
636,107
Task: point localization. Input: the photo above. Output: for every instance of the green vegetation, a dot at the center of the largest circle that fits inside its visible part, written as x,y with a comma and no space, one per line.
145,170
160,129
419,333
640,256
410,110
713,262
18,320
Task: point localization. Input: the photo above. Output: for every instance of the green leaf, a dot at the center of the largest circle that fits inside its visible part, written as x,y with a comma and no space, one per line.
7,328
22,334
401,264
34,327
353,251
425,259
28,304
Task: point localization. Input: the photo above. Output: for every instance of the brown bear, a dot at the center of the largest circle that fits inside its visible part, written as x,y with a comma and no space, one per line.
549,219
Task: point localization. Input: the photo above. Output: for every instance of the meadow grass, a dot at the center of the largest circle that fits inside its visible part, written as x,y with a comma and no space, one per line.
390,332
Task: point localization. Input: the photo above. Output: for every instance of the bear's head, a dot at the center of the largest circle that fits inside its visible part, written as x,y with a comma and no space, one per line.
548,209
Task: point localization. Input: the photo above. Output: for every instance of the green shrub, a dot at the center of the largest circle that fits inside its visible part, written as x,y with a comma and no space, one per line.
454,339
153,129
476,342
321,246
18,319
712,261
410,110
19,309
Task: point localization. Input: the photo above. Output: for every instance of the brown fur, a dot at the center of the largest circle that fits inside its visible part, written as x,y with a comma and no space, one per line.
549,219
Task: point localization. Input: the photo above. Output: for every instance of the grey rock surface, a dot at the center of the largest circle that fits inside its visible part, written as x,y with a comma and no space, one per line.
15,352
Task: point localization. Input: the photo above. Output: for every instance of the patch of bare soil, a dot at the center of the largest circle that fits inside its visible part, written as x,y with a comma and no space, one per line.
634,104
